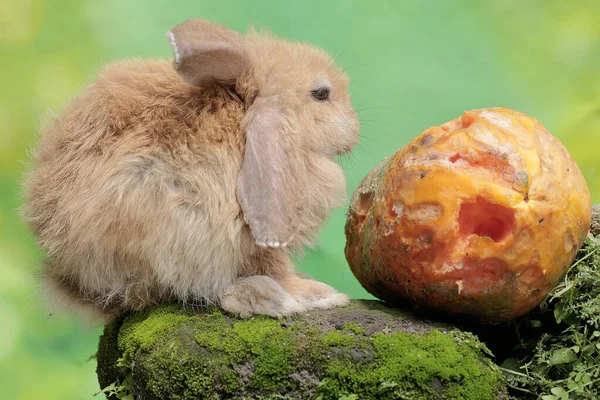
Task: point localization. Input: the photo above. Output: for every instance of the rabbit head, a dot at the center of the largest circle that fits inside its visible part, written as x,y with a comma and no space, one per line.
298,118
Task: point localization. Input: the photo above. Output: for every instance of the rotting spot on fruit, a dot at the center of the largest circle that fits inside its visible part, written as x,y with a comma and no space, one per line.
362,208
389,229
497,119
535,257
426,140
523,241
425,239
530,277
486,219
569,240
364,202
424,212
467,119
455,158
397,210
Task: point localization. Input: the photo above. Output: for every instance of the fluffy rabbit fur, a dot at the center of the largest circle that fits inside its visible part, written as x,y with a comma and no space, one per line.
194,180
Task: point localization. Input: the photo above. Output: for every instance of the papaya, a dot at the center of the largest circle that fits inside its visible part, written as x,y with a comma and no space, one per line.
480,216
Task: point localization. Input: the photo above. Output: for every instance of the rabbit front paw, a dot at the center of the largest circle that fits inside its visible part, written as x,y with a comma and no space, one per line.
259,295
314,294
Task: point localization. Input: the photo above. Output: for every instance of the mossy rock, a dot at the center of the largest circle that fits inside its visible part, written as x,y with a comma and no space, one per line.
595,227
363,351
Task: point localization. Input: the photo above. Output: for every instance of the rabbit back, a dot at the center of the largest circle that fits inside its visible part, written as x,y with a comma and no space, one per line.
132,190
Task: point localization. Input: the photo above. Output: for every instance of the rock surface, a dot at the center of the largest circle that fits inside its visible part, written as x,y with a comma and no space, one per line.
363,351
595,227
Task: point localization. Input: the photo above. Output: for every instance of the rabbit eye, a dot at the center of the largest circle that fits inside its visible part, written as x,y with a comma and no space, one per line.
321,94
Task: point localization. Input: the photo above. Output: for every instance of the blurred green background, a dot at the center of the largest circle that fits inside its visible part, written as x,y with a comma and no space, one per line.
413,64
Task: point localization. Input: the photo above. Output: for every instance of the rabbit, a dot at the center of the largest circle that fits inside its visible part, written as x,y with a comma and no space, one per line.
194,180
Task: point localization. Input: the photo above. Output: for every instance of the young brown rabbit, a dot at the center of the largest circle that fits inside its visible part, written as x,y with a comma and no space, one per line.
194,180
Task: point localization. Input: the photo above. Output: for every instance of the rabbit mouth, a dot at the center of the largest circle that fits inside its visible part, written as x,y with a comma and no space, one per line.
344,151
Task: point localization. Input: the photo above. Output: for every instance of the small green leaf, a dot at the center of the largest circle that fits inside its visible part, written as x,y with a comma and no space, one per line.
562,356
588,349
559,311
575,349
549,397
534,323
572,385
512,364
388,384
562,312
558,391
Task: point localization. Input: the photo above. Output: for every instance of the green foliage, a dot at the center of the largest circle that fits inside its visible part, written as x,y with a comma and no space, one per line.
120,391
562,360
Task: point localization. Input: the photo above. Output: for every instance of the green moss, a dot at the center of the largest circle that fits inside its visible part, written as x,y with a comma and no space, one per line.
310,353
145,329
216,333
354,327
210,355
340,339
272,347
261,339
187,374
414,367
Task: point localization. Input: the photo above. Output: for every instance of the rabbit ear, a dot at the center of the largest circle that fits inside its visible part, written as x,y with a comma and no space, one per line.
270,182
207,52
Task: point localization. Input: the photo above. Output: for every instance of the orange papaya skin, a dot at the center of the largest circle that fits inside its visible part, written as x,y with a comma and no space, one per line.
481,216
